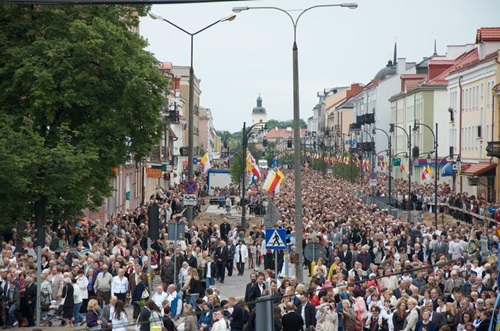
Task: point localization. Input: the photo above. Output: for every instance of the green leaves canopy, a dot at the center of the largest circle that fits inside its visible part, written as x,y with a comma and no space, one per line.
75,84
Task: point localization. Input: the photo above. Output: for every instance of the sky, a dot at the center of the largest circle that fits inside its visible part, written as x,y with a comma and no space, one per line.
252,55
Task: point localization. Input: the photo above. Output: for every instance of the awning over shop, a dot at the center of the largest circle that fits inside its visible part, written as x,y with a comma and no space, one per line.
480,169
447,170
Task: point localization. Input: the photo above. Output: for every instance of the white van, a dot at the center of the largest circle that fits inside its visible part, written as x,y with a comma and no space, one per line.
262,164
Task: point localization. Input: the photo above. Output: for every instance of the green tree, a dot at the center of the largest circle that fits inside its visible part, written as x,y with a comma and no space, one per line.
78,94
272,123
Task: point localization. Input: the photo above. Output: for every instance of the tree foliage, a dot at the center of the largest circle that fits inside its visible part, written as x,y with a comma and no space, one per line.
284,124
75,84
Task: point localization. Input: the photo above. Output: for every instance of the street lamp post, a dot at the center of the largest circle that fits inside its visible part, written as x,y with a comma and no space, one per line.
296,125
408,139
370,152
416,125
247,133
389,147
191,97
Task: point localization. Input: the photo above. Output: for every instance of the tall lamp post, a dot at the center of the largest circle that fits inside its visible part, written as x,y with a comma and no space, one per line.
389,147
408,139
370,151
296,124
416,125
191,97
247,133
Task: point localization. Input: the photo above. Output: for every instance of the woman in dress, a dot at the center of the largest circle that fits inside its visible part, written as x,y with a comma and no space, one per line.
67,296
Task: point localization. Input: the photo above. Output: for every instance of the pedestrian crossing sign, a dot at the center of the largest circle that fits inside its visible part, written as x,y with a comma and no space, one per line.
276,239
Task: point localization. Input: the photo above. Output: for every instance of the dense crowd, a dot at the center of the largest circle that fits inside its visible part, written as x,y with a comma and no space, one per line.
379,272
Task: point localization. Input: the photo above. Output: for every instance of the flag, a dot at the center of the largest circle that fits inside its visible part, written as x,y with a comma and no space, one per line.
205,162
357,162
402,168
273,181
366,165
427,173
252,168
381,165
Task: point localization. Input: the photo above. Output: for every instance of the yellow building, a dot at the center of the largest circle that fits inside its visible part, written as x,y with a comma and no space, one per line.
475,114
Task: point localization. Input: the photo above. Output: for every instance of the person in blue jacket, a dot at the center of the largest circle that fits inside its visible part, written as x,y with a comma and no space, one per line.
206,318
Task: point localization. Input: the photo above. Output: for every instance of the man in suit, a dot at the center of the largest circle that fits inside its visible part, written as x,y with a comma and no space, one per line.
403,288
253,280
107,313
418,252
454,281
345,256
133,279
399,242
224,229
306,310
30,297
220,257
364,257
237,316
291,320
441,248
256,290
437,318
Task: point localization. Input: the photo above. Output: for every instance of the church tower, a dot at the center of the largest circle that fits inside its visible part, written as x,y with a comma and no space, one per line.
259,114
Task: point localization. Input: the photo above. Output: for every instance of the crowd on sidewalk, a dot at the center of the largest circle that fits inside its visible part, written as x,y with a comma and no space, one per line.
380,273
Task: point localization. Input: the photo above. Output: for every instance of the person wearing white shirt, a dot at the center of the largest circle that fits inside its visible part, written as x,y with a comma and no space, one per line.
83,282
220,323
159,297
240,257
77,299
119,285
119,320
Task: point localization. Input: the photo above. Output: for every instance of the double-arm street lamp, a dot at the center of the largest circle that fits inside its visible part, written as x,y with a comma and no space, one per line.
296,125
191,97
408,139
389,152
247,134
416,125
369,148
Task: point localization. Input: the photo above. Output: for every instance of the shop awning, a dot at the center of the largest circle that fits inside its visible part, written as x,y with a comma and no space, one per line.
480,169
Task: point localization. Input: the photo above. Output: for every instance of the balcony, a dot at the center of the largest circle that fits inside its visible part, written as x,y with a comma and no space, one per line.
156,154
369,118
355,126
360,119
493,149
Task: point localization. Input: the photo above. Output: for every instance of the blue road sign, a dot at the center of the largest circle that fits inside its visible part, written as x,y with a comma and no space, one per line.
275,163
190,187
373,175
275,239
195,160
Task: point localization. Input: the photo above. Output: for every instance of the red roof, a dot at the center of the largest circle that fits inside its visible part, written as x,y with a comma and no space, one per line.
478,169
487,34
282,133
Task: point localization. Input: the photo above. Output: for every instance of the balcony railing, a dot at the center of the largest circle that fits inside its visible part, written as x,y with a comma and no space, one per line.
493,149
360,119
355,126
369,118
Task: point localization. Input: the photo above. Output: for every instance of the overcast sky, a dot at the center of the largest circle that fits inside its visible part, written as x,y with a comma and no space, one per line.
236,61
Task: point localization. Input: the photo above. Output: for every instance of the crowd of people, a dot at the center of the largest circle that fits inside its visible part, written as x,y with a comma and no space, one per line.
379,272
